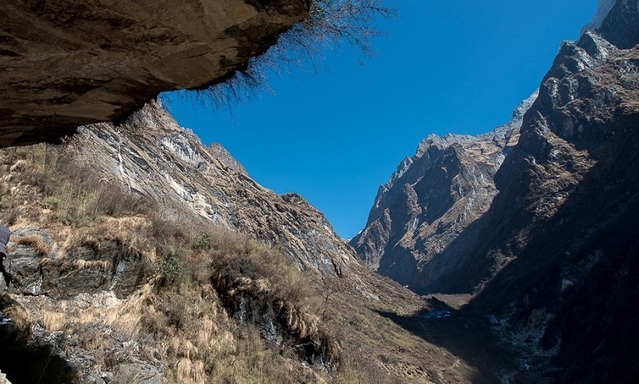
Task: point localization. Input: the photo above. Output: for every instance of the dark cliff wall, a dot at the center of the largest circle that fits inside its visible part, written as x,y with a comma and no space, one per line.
564,222
67,63
572,172
552,260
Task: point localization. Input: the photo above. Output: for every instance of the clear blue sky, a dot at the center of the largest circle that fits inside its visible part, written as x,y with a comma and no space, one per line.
335,133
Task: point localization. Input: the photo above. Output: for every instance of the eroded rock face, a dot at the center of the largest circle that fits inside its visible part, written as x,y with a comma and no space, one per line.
556,243
92,267
578,131
65,64
151,155
431,198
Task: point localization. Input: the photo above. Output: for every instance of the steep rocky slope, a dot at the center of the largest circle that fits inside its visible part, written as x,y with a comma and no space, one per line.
559,237
151,155
432,197
551,260
67,63
580,125
126,262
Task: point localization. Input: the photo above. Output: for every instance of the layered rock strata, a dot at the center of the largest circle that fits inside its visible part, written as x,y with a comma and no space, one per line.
150,154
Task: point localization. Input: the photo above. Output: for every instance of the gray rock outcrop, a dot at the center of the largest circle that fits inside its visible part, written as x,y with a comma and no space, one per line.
3,379
92,268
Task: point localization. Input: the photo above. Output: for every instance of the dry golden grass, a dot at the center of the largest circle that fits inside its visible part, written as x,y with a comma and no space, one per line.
184,348
184,323
101,265
190,372
50,180
54,321
44,261
19,165
34,241
18,314
206,332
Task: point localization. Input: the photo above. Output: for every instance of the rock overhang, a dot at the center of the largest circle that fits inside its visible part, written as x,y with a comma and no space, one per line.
64,63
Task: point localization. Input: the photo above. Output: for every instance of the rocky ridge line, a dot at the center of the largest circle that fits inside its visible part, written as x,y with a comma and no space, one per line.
432,197
551,260
150,154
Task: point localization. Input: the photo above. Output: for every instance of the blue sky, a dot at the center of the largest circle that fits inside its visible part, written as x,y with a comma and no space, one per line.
333,130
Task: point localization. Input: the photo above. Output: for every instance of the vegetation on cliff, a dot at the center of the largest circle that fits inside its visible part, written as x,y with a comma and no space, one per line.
329,23
206,302
111,289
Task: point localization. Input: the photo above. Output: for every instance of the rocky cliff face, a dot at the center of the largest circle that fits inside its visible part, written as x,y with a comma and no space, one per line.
577,126
556,243
552,257
69,63
432,197
150,154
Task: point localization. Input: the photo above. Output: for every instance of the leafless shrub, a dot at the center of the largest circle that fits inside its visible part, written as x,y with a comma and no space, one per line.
113,201
332,21
329,23
240,86
166,230
35,241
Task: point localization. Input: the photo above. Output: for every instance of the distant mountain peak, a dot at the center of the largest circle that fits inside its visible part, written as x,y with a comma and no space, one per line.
603,9
446,171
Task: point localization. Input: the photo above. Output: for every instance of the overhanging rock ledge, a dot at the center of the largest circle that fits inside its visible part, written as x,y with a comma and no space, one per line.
66,63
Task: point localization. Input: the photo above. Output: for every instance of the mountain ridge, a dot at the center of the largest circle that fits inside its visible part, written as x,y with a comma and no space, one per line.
138,232
548,261
208,182
485,152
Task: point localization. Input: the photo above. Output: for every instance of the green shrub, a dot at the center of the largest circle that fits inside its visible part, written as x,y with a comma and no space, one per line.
170,269
202,241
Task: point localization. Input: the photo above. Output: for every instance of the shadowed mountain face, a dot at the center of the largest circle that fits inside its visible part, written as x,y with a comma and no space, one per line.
561,232
432,197
552,255
67,63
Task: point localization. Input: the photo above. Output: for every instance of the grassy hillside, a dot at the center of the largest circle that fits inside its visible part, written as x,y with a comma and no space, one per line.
118,290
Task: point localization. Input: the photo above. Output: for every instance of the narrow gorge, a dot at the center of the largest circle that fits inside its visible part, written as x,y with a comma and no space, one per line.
532,224
140,255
